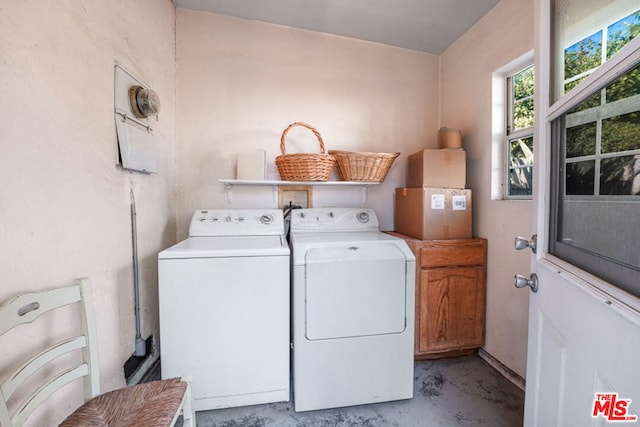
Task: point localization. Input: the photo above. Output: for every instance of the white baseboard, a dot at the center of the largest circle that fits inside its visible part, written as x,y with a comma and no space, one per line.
516,379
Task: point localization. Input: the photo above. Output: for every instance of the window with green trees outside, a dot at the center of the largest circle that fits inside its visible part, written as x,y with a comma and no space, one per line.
520,94
595,157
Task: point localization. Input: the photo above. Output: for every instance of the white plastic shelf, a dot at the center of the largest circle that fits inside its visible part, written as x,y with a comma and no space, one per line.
229,183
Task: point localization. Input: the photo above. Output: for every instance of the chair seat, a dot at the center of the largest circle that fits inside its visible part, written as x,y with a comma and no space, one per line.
152,404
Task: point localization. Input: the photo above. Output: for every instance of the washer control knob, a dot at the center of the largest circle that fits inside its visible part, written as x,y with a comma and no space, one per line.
266,219
363,217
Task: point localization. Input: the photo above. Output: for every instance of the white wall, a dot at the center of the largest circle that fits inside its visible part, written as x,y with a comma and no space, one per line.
240,83
503,35
64,206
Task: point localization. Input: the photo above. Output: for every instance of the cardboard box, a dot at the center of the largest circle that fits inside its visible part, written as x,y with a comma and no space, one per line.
433,213
449,138
437,169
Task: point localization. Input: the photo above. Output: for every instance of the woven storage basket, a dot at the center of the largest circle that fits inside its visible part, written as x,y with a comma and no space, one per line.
359,166
304,167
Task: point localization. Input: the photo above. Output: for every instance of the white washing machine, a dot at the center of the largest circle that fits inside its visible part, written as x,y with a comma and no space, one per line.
225,308
353,310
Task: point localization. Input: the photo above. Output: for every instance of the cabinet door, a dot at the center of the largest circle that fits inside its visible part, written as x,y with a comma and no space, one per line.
452,303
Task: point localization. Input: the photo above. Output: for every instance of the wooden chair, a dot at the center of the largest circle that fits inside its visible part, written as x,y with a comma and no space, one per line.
158,403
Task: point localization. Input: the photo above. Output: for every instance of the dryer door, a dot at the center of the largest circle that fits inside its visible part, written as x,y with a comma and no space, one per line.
355,290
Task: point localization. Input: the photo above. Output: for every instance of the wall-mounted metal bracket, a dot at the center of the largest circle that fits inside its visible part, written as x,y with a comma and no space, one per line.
126,117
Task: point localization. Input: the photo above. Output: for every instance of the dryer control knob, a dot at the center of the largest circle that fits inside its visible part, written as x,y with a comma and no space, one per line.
266,219
363,217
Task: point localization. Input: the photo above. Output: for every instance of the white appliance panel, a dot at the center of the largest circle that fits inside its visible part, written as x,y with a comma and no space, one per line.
225,322
236,222
355,291
333,220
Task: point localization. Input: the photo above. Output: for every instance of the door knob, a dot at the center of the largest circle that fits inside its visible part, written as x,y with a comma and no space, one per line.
520,281
522,243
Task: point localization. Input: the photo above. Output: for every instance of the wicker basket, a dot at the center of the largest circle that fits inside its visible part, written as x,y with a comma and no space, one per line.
359,166
304,167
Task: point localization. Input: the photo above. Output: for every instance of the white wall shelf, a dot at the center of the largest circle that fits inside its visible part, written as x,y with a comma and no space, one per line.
229,183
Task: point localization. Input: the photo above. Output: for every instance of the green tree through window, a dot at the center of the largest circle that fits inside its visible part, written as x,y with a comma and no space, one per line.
603,163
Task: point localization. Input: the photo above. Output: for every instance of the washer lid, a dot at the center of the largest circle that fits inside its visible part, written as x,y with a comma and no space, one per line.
227,246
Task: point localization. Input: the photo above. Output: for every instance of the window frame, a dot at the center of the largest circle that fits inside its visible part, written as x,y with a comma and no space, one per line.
499,149
511,135
618,280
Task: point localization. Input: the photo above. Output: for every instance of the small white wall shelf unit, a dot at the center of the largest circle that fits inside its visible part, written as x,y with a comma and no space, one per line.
229,183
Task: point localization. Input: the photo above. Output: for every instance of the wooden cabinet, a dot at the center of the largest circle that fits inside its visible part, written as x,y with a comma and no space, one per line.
450,296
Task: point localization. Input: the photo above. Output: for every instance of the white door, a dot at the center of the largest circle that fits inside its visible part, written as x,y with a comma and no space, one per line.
584,334
581,342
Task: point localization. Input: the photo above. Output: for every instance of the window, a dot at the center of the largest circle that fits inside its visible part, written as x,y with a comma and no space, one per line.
586,54
519,133
595,157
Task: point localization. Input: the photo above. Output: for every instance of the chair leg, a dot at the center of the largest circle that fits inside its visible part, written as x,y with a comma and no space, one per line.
188,414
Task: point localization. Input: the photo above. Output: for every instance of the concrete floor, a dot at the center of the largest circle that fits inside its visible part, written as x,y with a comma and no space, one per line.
463,391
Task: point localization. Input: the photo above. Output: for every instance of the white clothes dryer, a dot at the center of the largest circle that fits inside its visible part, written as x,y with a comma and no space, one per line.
353,299
225,308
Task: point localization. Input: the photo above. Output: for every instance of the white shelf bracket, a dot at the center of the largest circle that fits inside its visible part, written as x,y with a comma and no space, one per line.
364,194
228,188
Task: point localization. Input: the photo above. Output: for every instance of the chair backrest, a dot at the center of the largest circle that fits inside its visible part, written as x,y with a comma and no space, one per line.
27,308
